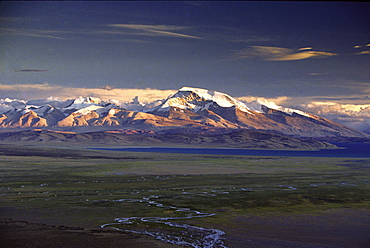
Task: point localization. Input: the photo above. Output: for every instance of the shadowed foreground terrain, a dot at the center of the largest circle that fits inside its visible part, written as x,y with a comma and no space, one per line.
59,197
174,137
26,234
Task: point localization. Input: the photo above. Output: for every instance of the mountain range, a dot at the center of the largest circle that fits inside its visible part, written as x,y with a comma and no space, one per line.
189,111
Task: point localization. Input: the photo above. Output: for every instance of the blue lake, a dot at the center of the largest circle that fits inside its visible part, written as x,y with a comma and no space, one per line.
353,150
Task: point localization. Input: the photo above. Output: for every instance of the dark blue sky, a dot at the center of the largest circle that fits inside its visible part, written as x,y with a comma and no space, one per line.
269,49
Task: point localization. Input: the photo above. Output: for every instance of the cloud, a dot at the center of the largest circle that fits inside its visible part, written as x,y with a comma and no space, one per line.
32,70
351,85
31,33
230,34
155,30
280,53
317,73
28,87
353,115
278,100
334,107
123,30
304,48
363,52
352,111
42,91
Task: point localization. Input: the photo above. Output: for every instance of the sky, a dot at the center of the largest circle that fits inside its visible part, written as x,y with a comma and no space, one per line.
310,55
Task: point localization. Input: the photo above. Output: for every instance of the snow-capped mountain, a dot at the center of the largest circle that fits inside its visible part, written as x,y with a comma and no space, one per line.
188,109
196,99
228,112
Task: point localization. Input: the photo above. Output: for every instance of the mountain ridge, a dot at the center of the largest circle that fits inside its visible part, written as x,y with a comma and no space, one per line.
188,109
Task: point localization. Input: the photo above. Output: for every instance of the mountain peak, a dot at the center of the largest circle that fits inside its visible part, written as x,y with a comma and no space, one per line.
197,99
89,99
83,102
220,98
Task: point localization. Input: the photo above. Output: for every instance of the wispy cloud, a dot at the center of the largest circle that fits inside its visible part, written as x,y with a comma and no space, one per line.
304,48
317,73
362,47
31,70
351,84
359,46
31,33
363,52
155,30
280,53
231,34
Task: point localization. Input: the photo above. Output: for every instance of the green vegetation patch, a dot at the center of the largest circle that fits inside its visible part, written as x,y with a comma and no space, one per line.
98,190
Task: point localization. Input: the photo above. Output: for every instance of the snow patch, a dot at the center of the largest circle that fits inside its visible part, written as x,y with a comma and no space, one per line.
87,110
257,107
221,99
83,102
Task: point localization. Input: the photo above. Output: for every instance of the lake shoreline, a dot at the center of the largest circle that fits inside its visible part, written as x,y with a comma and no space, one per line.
343,150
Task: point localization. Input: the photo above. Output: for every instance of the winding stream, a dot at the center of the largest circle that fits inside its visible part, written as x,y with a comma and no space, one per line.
167,230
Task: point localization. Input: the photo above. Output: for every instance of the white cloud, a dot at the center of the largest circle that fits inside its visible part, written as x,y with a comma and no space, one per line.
354,110
280,53
353,115
278,100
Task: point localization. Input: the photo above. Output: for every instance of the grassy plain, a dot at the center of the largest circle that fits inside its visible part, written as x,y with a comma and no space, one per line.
256,200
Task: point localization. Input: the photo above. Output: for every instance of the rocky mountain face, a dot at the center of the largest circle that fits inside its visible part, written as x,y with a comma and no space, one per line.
189,109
